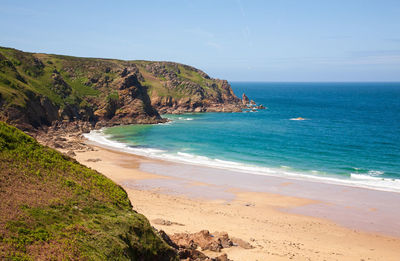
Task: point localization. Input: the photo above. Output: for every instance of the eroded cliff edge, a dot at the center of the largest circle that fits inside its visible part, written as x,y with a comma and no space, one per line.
39,90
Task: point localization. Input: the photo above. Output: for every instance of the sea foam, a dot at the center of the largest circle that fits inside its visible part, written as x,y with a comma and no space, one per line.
355,179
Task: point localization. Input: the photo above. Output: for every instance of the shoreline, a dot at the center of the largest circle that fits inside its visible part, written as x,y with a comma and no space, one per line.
279,226
97,138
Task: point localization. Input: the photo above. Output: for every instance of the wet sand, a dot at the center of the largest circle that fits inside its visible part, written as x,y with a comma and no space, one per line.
356,208
282,218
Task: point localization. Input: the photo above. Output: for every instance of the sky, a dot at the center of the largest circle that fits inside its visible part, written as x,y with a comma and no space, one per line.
237,40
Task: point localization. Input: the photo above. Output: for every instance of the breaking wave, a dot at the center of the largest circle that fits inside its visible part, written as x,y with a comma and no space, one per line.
371,179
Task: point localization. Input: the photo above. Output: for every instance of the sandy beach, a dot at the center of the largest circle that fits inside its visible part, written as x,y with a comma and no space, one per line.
277,224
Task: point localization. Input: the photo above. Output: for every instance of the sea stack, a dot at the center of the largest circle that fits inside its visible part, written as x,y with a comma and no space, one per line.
245,99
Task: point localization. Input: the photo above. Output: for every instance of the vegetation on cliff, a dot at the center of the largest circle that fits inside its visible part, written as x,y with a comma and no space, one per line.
38,89
54,208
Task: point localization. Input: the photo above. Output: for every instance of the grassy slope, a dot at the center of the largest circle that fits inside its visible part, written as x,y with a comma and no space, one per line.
156,84
20,72
54,208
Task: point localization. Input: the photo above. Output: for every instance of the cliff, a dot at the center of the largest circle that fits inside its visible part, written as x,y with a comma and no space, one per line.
177,88
54,208
37,90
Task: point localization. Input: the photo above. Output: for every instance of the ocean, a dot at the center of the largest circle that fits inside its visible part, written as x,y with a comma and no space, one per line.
350,134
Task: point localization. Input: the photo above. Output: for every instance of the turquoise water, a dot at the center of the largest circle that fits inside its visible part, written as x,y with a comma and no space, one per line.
351,134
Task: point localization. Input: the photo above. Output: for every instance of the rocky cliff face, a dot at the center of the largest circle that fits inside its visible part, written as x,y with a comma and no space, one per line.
37,90
187,89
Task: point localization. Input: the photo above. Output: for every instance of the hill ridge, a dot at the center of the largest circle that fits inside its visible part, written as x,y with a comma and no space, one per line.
38,89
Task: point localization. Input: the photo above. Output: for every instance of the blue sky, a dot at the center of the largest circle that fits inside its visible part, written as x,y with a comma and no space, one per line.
238,40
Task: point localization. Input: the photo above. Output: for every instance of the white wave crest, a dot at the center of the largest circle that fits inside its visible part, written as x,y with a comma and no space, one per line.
375,172
98,137
369,180
185,119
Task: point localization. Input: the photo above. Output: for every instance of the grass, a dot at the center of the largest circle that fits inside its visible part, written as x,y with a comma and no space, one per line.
54,208
37,71
156,84
80,89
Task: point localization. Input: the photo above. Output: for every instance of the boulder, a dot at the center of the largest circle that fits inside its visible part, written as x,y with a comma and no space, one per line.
160,221
241,243
186,244
206,241
201,239
93,160
224,239
70,153
223,257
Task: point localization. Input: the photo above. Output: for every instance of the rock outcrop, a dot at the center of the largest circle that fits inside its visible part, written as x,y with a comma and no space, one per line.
129,103
207,241
188,245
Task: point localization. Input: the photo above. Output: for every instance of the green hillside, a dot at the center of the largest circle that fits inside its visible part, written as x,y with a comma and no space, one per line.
53,208
38,89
